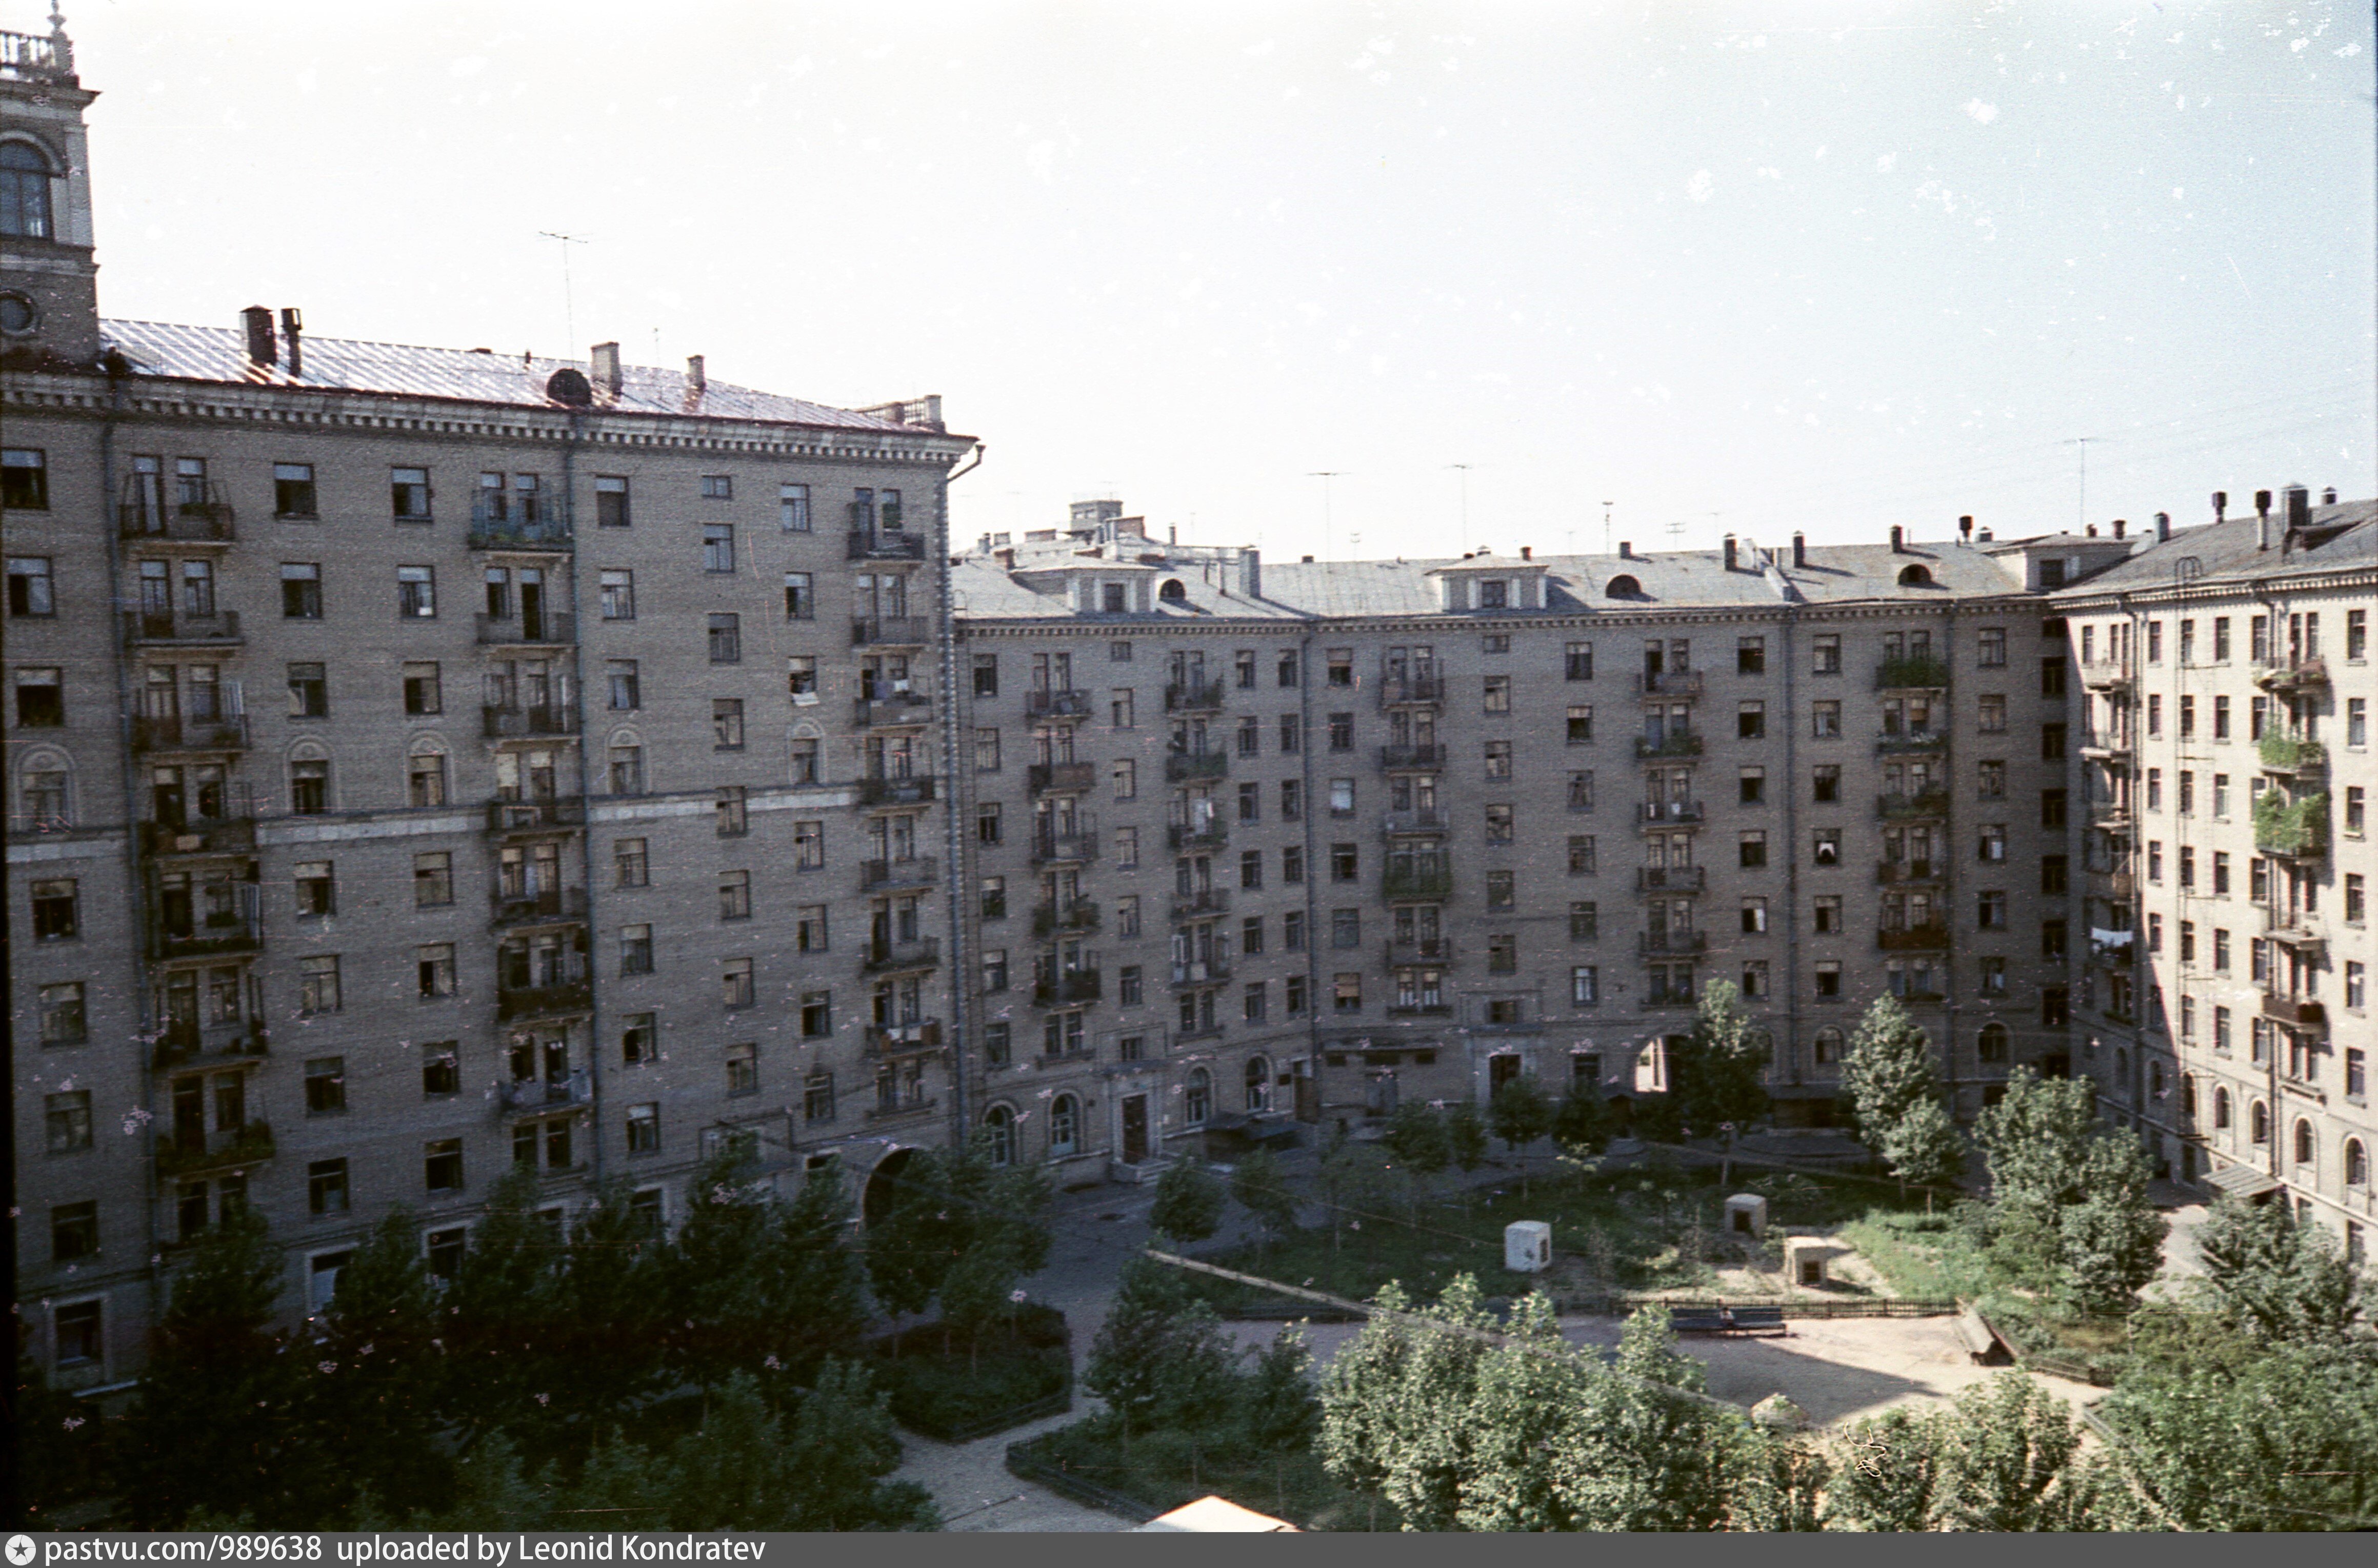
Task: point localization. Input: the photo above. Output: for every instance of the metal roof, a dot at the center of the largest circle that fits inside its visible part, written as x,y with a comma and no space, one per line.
2229,551
2243,1182
348,364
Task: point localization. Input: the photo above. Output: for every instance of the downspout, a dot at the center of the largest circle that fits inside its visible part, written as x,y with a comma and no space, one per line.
955,880
1791,793
586,830
1311,872
2275,628
1946,852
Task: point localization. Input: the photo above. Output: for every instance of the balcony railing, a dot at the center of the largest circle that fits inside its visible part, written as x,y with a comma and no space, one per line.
883,545
2106,746
224,1149
2112,676
1407,884
2294,926
1067,704
1668,1001
542,535
2118,887
2301,1013
1205,901
1212,833
1056,845
1889,873
1668,683
1671,878
1420,951
1396,757
1419,1005
1928,937
210,522
1061,778
527,631
535,1097
2290,675
1916,672
541,814
1203,972
1670,745
2119,954
1068,987
886,958
1193,697
891,631
227,835
553,905
1399,691
543,1001
921,872
914,790
1186,766
186,1042
2110,816
220,630
902,1110
1672,943
2297,828
1667,813
897,1039
506,721
184,733
1420,820
1893,741
1922,803
221,935
1074,915
2283,753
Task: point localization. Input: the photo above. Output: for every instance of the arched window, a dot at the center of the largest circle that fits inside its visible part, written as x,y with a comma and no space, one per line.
2221,1110
24,192
2259,1123
1258,1082
426,773
1000,1122
1064,1127
1621,587
309,778
2188,1096
1991,1044
1174,592
1915,577
2306,1150
2356,1164
1198,1103
2122,1070
44,800
1831,1046
2156,1084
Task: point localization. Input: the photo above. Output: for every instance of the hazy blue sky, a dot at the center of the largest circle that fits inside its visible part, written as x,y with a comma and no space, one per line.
1828,266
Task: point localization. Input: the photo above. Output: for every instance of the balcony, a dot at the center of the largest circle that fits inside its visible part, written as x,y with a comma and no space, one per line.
2297,829
527,631
892,631
510,721
1668,1001
1057,704
1061,778
543,537
1893,743
1410,885
1203,902
2294,927
218,936
553,906
921,872
902,1110
536,1096
1922,803
1070,988
205,521
186,1042
1189,767
2119,954
1211,834
234,835
1919,672
2292,675
1668,683
1393,758
1421,820
1075,915
1671,878
1205,972
902,1039
892,958
914,790
2115,886
164,629
2110,676
883,545
1662,748
1193,697
1671,944
557,1001
1891,873
2297,1012
1405,690
1422,1005
2111,816
224,1149
1053,845
544,814
1930,937
177,733
2290,754
1668,813
905,710
1433,951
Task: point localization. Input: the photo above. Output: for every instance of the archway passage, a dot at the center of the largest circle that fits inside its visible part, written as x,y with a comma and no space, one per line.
883,1186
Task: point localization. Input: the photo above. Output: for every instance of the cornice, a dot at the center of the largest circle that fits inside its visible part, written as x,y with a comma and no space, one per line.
1546,620
2230,589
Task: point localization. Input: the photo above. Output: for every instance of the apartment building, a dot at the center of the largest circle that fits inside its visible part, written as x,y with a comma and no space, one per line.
423,762
2227,771
1250,841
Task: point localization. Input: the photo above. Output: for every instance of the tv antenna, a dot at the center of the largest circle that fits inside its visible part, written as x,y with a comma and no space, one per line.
2082,442
568,304
1327,529
1606,507
1464,469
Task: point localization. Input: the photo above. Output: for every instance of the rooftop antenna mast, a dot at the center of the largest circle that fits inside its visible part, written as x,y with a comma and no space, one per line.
1329,532
2082,442
568,303
1606,506
1464,469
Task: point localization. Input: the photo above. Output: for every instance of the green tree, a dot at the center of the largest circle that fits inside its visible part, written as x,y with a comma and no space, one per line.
1886,1470
1278,1405
1160,1358
1520,1113
1888,1070
2273,1279
499,1311
373,1396
1188,1203
1395,1403
59,1447
1718,1072
1351,1183
749,1469
1259,1187
947,1203
2069,1207
1926,1146
2008,1442
1582,1125
766,1284
1417,1142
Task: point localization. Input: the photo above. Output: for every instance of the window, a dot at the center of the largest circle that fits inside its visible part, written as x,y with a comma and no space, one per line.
2051,742
732,809
635,950
644,1128
41,697
1344,863
1828,850
735,985
68,1118
1580,855
425,779
433,878
292,489
987,822
74,1232
1345,927
2356,810
1342,732
1499,694
1127,849
2220,718
1123,714
1753,850
1291,865
1992,716
1502,889
1346,992
1502,954
433,964
64,1019
1498,824
29,587
1993,844
1825,718
718,546
986,674
735,895
630,862
24,471
416,592
1990,912
326,1187
1251,869
726,723
1826,784
1750,721
817,1014
2357,899
627,688
618,593
793,508
1825,654
441,1165
726,639
2357,722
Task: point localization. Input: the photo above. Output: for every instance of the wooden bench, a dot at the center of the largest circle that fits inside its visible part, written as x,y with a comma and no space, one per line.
1698,1320
1759,1319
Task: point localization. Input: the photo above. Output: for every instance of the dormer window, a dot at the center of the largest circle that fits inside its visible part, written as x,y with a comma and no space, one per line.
1915,577
1114,598
1621,587
1494,594
1174,592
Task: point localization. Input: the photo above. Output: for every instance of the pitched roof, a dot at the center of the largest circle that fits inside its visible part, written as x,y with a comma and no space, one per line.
2228,551
349,364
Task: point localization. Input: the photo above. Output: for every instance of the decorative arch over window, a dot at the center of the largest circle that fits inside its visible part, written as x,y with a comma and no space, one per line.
2307,1150
309,778
1064,1127
2221,1110
44,791
26,171
1198,1103
2356,1163
1174,592
807,729
999,1122
1831,1047
2259,1123
1915,577
424,771
2157,1084
1258,1076
1990,1045
1623,586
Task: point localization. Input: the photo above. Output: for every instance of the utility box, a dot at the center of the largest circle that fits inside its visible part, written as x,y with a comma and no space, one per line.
1528,1246
1745,1215
1808,1260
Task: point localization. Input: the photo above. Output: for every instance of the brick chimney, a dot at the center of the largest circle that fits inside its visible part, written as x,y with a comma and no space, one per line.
263,352
1799,549
604,359
1898,542
1729,552
292,325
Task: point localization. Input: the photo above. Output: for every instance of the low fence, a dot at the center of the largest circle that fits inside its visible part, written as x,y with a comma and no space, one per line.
1621,1306
1026,1465
1058,1404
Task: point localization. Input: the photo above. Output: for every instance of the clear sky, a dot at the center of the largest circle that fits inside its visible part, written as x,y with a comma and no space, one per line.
1753,267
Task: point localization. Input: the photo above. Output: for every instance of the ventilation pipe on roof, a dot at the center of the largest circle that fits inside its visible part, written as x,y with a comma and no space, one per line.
2262,520
292,325
2299,505
261,351
605,358
1898,542
2119,525
1729,552
1527,552
2328,496
696,380
1799,549
1626,551
1965,529
2220,506
2163,527
1308,560
2090,532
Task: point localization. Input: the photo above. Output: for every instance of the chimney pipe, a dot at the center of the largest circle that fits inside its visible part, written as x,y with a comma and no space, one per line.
261,351
1729,552
2119,525
1626,551
2090,532
605,361
1527,552
1897,545
2262,520
2299,505
1799,549
2163,527
1965,529
2220,506
2328,496
696,380
292,324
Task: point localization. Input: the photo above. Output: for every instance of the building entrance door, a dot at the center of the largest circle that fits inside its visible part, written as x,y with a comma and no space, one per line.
1134,1128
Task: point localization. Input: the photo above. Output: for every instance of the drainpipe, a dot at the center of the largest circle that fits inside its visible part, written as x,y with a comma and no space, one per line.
954,881
1791,838
586,830
1312,873
1949,859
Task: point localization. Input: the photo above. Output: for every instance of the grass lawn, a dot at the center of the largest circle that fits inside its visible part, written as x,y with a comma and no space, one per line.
1164,1470
940,1384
